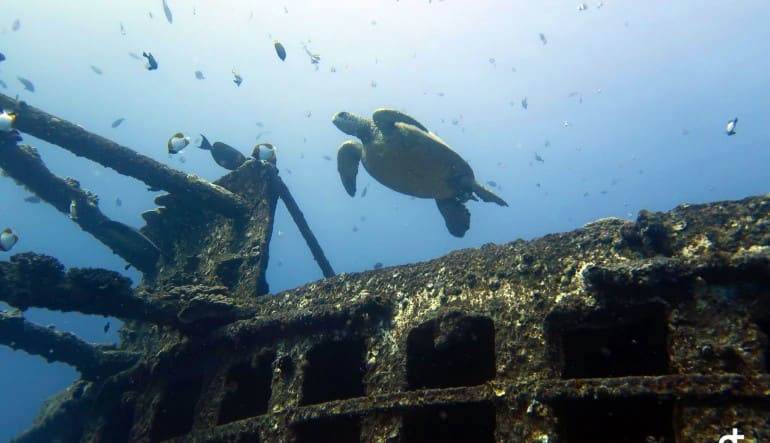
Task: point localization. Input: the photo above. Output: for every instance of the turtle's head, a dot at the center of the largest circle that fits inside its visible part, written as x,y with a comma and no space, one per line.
352,124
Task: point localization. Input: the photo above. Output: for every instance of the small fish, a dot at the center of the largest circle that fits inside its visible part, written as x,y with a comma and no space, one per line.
106,327
73,210
264,152
16,25
151,64
199,75
314,58
6,121
538,158
117,122
96,70
373,84
261,133
8,239
730,128
582,6
524,103
280,50
492,61
149,13
492,183
27,84
118,202
237,79
355,228
565,123
122,29
377,265
543,39
177,142
167,11
134,55
327,158
225,155
363,193
32,199
2,56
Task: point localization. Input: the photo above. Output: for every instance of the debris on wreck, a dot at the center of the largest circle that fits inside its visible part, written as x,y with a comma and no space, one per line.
665,318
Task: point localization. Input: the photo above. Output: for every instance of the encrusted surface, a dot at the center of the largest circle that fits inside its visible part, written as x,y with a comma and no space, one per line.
655,330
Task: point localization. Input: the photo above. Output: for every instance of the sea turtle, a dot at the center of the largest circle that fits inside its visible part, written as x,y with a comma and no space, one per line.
399,152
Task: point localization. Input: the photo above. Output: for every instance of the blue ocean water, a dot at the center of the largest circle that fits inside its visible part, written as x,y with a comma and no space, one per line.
627,104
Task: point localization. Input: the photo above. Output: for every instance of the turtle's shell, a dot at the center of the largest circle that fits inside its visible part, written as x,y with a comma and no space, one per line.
407,158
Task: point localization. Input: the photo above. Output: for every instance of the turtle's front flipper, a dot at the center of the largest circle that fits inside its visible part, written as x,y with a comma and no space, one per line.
456,216
488,196
348,158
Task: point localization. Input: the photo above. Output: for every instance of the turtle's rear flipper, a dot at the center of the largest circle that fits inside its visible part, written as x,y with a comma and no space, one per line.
488,196
348,158
456,216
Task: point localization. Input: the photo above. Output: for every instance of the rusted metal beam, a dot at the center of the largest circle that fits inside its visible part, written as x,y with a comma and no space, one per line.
92,361
125,161
23,164
304,228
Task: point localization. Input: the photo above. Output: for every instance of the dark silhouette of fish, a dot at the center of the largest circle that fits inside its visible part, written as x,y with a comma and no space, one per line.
280,50
32,199
27,84
167,11
543,39
225,155
96,70
152,64
538,158
2,56
363,193
16,25
106,327
199,75
117,122
2,83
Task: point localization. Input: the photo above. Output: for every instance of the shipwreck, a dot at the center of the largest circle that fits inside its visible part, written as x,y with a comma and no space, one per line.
651,330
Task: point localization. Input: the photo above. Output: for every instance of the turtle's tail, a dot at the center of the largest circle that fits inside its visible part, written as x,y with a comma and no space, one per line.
488,196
